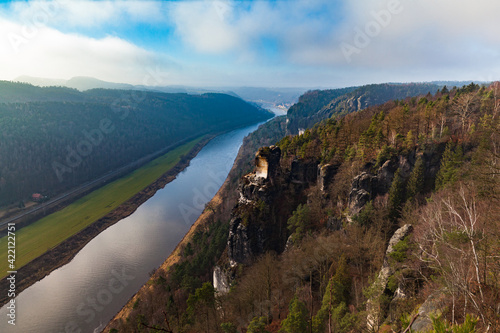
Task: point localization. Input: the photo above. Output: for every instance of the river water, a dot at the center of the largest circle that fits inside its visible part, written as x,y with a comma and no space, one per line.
85,294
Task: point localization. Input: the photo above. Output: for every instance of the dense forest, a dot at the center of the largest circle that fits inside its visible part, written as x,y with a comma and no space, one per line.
53,139
386,219
16,92
310,109
317,105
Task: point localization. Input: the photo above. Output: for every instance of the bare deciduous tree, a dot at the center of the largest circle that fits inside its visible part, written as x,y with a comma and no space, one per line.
465,106
496,100
451,233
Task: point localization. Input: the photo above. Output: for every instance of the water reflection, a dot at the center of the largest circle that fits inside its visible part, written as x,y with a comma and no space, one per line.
85,294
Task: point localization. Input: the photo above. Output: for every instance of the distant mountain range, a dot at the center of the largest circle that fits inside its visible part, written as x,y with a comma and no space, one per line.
78,82
275,96
264,97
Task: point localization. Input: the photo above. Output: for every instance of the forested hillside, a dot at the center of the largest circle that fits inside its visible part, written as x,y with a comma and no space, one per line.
311,107
318,105
380,220
56,138
15,92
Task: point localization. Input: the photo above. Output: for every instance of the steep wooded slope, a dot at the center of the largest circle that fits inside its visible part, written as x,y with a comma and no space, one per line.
335,229
56,138
318,105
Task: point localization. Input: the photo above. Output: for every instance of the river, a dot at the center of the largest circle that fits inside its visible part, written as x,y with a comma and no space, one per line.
85,294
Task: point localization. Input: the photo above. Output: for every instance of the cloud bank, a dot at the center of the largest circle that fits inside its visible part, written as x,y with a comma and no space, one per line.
278,43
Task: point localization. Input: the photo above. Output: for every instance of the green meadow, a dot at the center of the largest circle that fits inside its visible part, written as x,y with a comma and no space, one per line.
35,239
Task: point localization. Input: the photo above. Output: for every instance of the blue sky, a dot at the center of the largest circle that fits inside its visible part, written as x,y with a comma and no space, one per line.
295,43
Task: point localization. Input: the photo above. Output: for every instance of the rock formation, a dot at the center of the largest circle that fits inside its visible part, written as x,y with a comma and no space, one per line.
220,281
303,172
433,305
362,191
376,310
267,197
325,175
367,185
267,162
248,235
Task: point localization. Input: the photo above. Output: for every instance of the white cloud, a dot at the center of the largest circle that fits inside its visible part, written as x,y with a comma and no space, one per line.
220,41
418,26
426,33
46,52
205,26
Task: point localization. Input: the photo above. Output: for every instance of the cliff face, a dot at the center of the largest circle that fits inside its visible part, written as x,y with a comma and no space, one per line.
267,163
376,307
254,228
267,197
373,182
370,183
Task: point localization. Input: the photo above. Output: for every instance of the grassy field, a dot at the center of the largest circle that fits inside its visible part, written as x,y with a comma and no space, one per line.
35,239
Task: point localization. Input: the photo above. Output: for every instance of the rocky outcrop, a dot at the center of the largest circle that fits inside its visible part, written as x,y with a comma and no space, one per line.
375,306
385,175
398,236
267,197
238,243
367,186
361,192
220,281
249,234
253,189
326,173
267,162
433,305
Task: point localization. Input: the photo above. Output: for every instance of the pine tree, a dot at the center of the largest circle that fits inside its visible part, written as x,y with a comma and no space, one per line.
416,182
297,319
299,222
409,140
337,293
450,163
202,302
257,325
341,282
396,196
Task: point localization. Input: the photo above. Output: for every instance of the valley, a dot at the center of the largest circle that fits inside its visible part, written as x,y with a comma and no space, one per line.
342,209
330,195
133,247
228,166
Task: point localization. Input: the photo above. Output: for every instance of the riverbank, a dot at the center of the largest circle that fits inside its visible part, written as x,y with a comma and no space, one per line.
61,254
218,208
202,223
41,210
